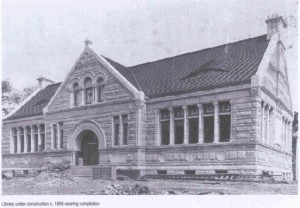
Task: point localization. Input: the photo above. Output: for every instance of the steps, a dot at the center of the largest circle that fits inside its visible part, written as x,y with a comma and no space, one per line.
82,171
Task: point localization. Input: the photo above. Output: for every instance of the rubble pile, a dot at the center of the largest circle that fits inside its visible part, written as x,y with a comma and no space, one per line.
117,189
57,167
54,176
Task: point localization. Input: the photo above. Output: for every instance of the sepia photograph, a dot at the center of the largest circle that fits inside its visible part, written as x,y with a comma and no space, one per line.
138,97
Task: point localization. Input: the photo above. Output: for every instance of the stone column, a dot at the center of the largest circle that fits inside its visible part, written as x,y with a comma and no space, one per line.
267,124
32,139
282,133
59,136
39,137
25,140
52,137
185,126
200,124
139,124
96,94
171,126
83,96
157,128
18,140
286,134
74,158
72,99
121,139
290,136
12,142
216,123
262,121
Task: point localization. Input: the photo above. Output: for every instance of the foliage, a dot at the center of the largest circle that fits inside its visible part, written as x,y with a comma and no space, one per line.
12,97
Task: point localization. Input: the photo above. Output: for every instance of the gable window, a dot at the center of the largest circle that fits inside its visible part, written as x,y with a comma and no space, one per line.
225,121
116,121
100,89
89,91
165,126
125,129
77,94
179,125
193,121
208,120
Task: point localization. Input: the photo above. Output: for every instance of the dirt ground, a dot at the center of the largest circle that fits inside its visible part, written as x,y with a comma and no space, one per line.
81,186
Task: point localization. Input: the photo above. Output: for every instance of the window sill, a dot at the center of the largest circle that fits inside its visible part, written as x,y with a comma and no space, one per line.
194,144
87,105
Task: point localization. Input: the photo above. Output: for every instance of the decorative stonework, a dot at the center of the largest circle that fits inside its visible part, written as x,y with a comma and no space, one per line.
87,60
86,125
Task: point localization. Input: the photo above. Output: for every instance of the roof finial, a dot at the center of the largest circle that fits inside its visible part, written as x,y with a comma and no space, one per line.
88,42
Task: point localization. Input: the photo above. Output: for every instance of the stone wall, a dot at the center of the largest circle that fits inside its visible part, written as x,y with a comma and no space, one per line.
8,125
35,160
114,91
102,115
235,158
273,160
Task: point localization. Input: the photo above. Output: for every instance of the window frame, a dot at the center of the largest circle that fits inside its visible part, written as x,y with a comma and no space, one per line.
88,87
165,117
225,113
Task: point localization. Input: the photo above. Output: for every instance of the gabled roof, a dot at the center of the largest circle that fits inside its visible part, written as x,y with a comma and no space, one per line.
127,73
35,105
225,65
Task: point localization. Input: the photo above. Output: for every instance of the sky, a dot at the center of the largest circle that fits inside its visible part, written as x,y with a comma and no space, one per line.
45,38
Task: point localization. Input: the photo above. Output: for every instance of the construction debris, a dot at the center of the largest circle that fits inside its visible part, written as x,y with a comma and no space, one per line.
7,174
56,167
117,189
54,176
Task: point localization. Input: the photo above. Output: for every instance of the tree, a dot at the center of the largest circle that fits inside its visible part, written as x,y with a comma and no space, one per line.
12,97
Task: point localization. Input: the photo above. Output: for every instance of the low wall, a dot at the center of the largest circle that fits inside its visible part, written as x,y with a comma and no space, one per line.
35,160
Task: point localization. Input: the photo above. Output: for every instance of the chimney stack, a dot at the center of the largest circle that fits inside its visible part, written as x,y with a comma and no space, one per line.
275,24
43,82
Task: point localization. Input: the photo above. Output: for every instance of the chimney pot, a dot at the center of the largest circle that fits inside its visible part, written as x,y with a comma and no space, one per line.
275,24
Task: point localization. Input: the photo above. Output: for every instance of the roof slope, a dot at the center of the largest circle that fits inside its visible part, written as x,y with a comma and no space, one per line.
225,65
127,73
35,105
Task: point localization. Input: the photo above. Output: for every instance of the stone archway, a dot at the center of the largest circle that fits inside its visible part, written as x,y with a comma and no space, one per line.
89,153
87,136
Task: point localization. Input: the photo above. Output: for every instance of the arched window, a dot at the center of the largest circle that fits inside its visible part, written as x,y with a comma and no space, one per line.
77,97
89,92
100,89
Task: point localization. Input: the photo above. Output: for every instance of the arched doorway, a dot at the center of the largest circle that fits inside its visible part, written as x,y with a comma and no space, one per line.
89,153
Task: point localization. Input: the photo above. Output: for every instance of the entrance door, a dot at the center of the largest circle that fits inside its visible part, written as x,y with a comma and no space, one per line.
89,149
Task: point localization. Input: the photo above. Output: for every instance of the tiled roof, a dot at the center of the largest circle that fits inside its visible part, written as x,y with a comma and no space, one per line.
127,73
225,65
35,105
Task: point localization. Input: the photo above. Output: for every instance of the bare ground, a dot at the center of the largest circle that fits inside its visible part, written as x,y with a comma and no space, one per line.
81,186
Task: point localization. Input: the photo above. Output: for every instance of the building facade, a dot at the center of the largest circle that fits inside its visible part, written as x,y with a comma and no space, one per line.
225,109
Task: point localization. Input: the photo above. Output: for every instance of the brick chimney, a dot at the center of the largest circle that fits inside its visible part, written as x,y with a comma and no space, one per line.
43,82
275,24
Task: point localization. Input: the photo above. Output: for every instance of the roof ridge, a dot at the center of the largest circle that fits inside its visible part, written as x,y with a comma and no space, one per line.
163,59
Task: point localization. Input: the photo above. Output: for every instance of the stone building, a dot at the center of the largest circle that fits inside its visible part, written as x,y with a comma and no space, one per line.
225,109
